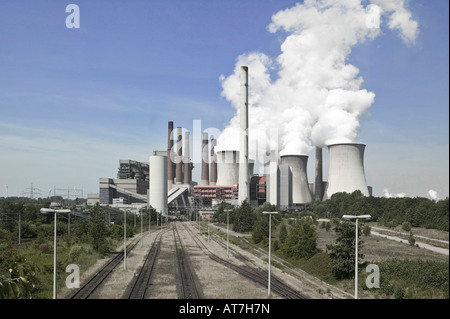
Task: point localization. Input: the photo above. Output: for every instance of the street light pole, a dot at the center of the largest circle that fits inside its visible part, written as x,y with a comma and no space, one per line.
140,217
228,223
356,218
124,240
270,247
55,211
54,260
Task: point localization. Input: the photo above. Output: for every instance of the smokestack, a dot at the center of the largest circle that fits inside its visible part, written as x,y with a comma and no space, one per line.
205,165
346,170
170,164
318,184
213,168
179,165
244,182
300,187
187,159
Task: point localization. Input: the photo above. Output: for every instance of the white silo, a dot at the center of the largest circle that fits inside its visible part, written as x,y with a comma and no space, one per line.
158,184
346,169
301,193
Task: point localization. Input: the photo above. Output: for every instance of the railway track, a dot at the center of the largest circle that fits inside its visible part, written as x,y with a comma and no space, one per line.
94,282
189,285
137,288
250,270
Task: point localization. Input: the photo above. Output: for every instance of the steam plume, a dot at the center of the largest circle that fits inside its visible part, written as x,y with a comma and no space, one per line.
316,96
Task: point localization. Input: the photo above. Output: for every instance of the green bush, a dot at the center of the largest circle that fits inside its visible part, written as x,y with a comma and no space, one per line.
406,226
75,252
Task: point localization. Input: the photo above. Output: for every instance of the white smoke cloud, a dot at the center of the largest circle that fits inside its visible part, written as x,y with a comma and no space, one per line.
388,194
316,98
433,194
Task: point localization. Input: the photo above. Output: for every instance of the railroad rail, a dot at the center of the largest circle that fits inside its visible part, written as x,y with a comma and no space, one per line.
137,288
189,285
250,271
95,280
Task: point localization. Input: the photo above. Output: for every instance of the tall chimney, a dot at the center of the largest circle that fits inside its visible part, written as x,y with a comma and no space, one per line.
187,159
244,183
205,165
170,164
179,165
318,184
213,169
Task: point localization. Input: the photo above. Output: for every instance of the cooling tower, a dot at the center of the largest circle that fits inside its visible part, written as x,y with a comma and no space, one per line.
301,193
205,160
227,168
179,162
170,164
213,164
346,169
244,181
158,183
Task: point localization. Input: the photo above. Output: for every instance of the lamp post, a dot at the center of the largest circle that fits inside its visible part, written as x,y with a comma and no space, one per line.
54,208
140,217
228,223
356,218
270,248
124,240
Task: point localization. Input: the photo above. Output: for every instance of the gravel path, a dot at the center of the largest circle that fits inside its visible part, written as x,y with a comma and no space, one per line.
218,281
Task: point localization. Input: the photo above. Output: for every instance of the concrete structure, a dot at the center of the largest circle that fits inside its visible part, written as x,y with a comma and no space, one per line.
213,164
179,162
134,190
205,160
273,182
346,169
129,169
244,181
170,164
158,187
301,193
318,183
187,159
285,186
227,168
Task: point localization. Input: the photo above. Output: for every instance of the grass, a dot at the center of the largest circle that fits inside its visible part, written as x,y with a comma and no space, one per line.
380,251
41,256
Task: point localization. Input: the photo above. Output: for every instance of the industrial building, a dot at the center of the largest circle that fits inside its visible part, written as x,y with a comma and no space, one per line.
165,182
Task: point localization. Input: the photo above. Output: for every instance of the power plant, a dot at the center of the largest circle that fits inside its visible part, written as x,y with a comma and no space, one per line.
227,176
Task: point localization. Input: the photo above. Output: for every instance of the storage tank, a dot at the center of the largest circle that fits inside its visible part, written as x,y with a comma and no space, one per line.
301,193
346,169
158,183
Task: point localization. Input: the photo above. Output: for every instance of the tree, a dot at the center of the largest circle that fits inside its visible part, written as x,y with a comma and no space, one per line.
283,233
302,240
342,254
244,218
260,229
20,282
97,230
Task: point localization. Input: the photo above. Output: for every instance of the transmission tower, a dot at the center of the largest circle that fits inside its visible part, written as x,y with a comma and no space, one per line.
31,192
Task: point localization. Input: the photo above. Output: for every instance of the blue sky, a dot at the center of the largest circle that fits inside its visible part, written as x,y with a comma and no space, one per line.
73,102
